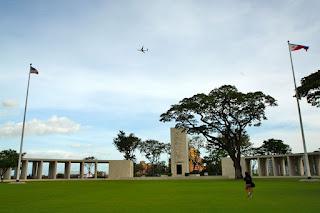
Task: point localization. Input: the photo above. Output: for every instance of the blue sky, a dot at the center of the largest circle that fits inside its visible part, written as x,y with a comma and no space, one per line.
93,82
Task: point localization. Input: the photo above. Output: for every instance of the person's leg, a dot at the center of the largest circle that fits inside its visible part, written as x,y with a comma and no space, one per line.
250,192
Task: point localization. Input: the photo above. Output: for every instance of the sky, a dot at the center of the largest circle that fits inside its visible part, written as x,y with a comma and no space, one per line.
93,82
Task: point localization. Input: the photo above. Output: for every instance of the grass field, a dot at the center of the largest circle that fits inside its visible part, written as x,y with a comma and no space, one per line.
271,195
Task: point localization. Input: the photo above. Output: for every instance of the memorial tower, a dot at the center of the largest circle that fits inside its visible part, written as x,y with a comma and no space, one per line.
179,152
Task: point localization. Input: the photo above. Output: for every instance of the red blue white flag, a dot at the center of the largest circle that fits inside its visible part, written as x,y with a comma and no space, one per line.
33,70
294,47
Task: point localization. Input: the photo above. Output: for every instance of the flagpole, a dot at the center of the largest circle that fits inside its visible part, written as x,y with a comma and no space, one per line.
23,125
306,159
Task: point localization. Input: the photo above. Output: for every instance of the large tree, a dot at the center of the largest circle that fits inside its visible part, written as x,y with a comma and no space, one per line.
221,117
152,149
127,144
310,88
273,147
8,159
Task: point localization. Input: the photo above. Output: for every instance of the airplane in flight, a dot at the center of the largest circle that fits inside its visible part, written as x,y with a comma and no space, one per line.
143,50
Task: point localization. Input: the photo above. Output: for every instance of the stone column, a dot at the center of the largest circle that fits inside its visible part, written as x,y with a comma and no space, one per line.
318,164
301,166
278,166
274,167
7,174
259,166
315,164
82,170
283,166
24,170
263,166
67,169
291,165
53,170
34,169
39,170
267,167
95,170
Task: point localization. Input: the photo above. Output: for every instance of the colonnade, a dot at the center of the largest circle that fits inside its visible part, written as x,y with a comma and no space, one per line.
117,168
274,165
283,165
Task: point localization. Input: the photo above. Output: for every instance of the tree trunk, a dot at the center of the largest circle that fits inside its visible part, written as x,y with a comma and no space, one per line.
238,172
237,169
153,169
3,171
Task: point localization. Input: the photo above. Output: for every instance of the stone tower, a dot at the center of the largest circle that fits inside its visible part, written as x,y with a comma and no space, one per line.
179,152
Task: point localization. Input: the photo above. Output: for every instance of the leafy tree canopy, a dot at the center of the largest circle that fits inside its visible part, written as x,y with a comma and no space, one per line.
8,159
221,117
127,144
152,149
310,88
90,158
273,147
197,142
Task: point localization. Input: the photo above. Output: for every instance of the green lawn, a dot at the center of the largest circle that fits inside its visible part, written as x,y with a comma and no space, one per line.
271,195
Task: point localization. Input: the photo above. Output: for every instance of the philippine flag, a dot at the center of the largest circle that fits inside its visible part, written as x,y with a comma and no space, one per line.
294,47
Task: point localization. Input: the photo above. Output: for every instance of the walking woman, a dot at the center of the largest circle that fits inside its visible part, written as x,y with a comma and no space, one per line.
249,184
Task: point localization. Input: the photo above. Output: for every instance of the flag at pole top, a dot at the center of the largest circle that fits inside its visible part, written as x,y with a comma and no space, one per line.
33,70
294,47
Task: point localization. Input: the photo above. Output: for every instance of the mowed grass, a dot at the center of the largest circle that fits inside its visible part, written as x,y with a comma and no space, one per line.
270,195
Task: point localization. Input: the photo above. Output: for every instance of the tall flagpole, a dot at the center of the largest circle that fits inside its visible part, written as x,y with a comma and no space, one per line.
22,134
306,159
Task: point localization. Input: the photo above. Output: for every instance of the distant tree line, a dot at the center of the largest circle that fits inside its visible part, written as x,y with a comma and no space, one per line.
151,149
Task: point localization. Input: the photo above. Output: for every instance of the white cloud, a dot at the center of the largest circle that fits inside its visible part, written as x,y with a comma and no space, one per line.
54,125
79,145
9,103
